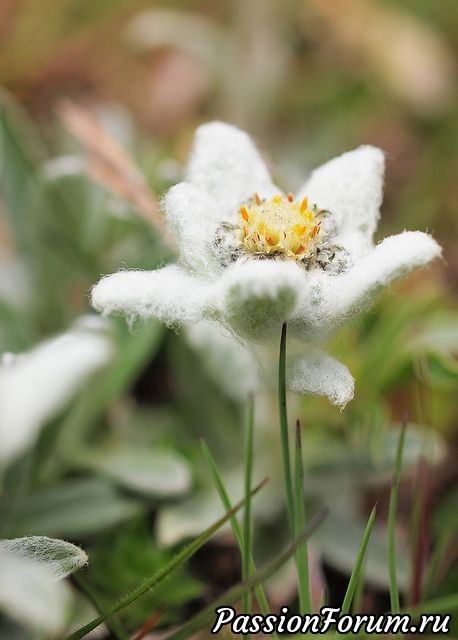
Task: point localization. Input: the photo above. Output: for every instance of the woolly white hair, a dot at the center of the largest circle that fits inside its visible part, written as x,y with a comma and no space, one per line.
169,294
255,297
252,297
314,370
225,164
351,187
193,216
326,302
36,385
229,361
58,557
29,590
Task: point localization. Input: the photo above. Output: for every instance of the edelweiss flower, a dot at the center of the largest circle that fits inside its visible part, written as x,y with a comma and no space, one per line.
252,258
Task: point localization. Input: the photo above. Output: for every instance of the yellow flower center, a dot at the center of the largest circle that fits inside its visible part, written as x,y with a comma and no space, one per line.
279,226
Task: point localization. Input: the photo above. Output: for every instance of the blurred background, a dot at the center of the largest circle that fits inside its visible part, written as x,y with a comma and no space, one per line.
98,107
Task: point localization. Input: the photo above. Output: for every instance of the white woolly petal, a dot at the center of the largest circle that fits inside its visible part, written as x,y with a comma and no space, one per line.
392,258
351,188
30,595
328,300
225,163
192,216
169,294
58,557
35,386
257,296
226,359
317,373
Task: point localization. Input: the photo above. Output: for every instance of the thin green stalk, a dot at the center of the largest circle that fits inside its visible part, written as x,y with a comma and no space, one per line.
282,409
236,528
247,525
115,628
419,531
445,604
235,593
355,574
394,590
301,557
151,583
437,559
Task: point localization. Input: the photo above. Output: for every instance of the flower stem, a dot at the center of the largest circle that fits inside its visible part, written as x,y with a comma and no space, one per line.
284,427
392,559
247,525
301,557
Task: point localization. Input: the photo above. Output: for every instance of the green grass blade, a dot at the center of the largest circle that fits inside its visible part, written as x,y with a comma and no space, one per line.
112,624
394,591
443,605
247,524
355,574
152,582
301,557
235,593
443,544
283,416
419,530
359,591
236,528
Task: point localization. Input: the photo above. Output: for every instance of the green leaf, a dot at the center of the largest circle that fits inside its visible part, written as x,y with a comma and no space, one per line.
58,557
20,182
157,472
75,508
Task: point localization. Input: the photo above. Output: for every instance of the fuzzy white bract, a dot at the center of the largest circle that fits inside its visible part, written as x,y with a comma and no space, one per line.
252,258
36,385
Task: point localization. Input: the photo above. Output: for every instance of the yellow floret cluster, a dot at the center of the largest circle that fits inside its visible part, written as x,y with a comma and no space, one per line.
279,226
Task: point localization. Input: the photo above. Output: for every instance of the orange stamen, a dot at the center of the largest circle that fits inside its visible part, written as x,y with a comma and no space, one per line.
315,231
304,205
290,197
244,213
